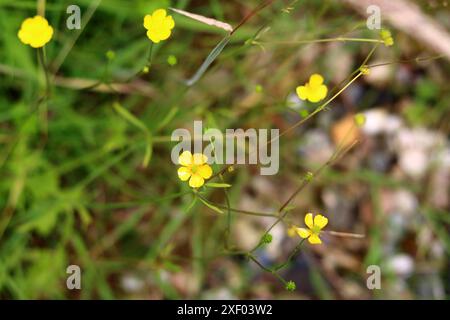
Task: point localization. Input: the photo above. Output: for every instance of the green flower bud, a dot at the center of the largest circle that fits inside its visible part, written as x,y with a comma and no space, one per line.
267,238
110,55
290,286
172,60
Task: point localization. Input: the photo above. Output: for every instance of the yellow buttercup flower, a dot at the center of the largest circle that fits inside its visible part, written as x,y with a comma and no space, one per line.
159,25
314,90
35,32
194,168
315,226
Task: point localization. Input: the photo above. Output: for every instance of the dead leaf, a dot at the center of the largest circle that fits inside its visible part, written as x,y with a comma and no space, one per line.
209,21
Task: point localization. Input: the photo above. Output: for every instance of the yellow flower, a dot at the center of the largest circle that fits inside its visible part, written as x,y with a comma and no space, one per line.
314,90
35,32
386,36
159,25
194,168
315,226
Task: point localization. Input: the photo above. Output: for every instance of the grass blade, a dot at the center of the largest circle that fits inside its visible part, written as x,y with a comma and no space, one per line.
208,61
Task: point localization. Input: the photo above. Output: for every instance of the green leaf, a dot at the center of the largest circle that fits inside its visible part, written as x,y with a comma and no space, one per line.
212,207
217,185
129,117
141,126
208,61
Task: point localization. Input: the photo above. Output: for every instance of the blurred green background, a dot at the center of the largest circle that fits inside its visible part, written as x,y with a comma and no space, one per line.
73,188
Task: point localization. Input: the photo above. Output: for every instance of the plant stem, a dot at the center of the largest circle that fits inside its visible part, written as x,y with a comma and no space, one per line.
251,213
41,58
291,256
338,39
43,107
274,272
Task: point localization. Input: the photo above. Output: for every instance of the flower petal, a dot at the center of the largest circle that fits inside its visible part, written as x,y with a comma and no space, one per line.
199,159
164,34
309,220
315,80
185,159
196,181
204,171
317,93
302,92
153,35
320,221
159,14
303,233
322,91
147,21
169,22
314,239
184,173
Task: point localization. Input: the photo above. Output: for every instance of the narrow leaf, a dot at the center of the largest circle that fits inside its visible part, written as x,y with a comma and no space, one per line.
209,59
218,185
212,207
140,125
129,117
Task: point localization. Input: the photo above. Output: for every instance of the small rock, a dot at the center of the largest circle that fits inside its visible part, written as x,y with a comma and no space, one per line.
401,264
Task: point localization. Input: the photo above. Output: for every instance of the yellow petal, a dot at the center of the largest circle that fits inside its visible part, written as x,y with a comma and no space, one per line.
23,37
315,80
196,181
153,35
323,90
184,173
204,171
164,34
314,239
303,233
27,23
302,92
170,23
39,19
185,159
317,93
320,221
309,220
199,159
159,14
147,21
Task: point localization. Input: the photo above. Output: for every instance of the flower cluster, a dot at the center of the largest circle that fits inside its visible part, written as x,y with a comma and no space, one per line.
35,32
159,25
314,90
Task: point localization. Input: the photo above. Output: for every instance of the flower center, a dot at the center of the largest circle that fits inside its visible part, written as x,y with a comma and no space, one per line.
194,169
315,229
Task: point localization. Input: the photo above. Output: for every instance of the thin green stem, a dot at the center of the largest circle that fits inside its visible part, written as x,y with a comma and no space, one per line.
338,39
269,270
250,213
42,62
42,106
291,256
